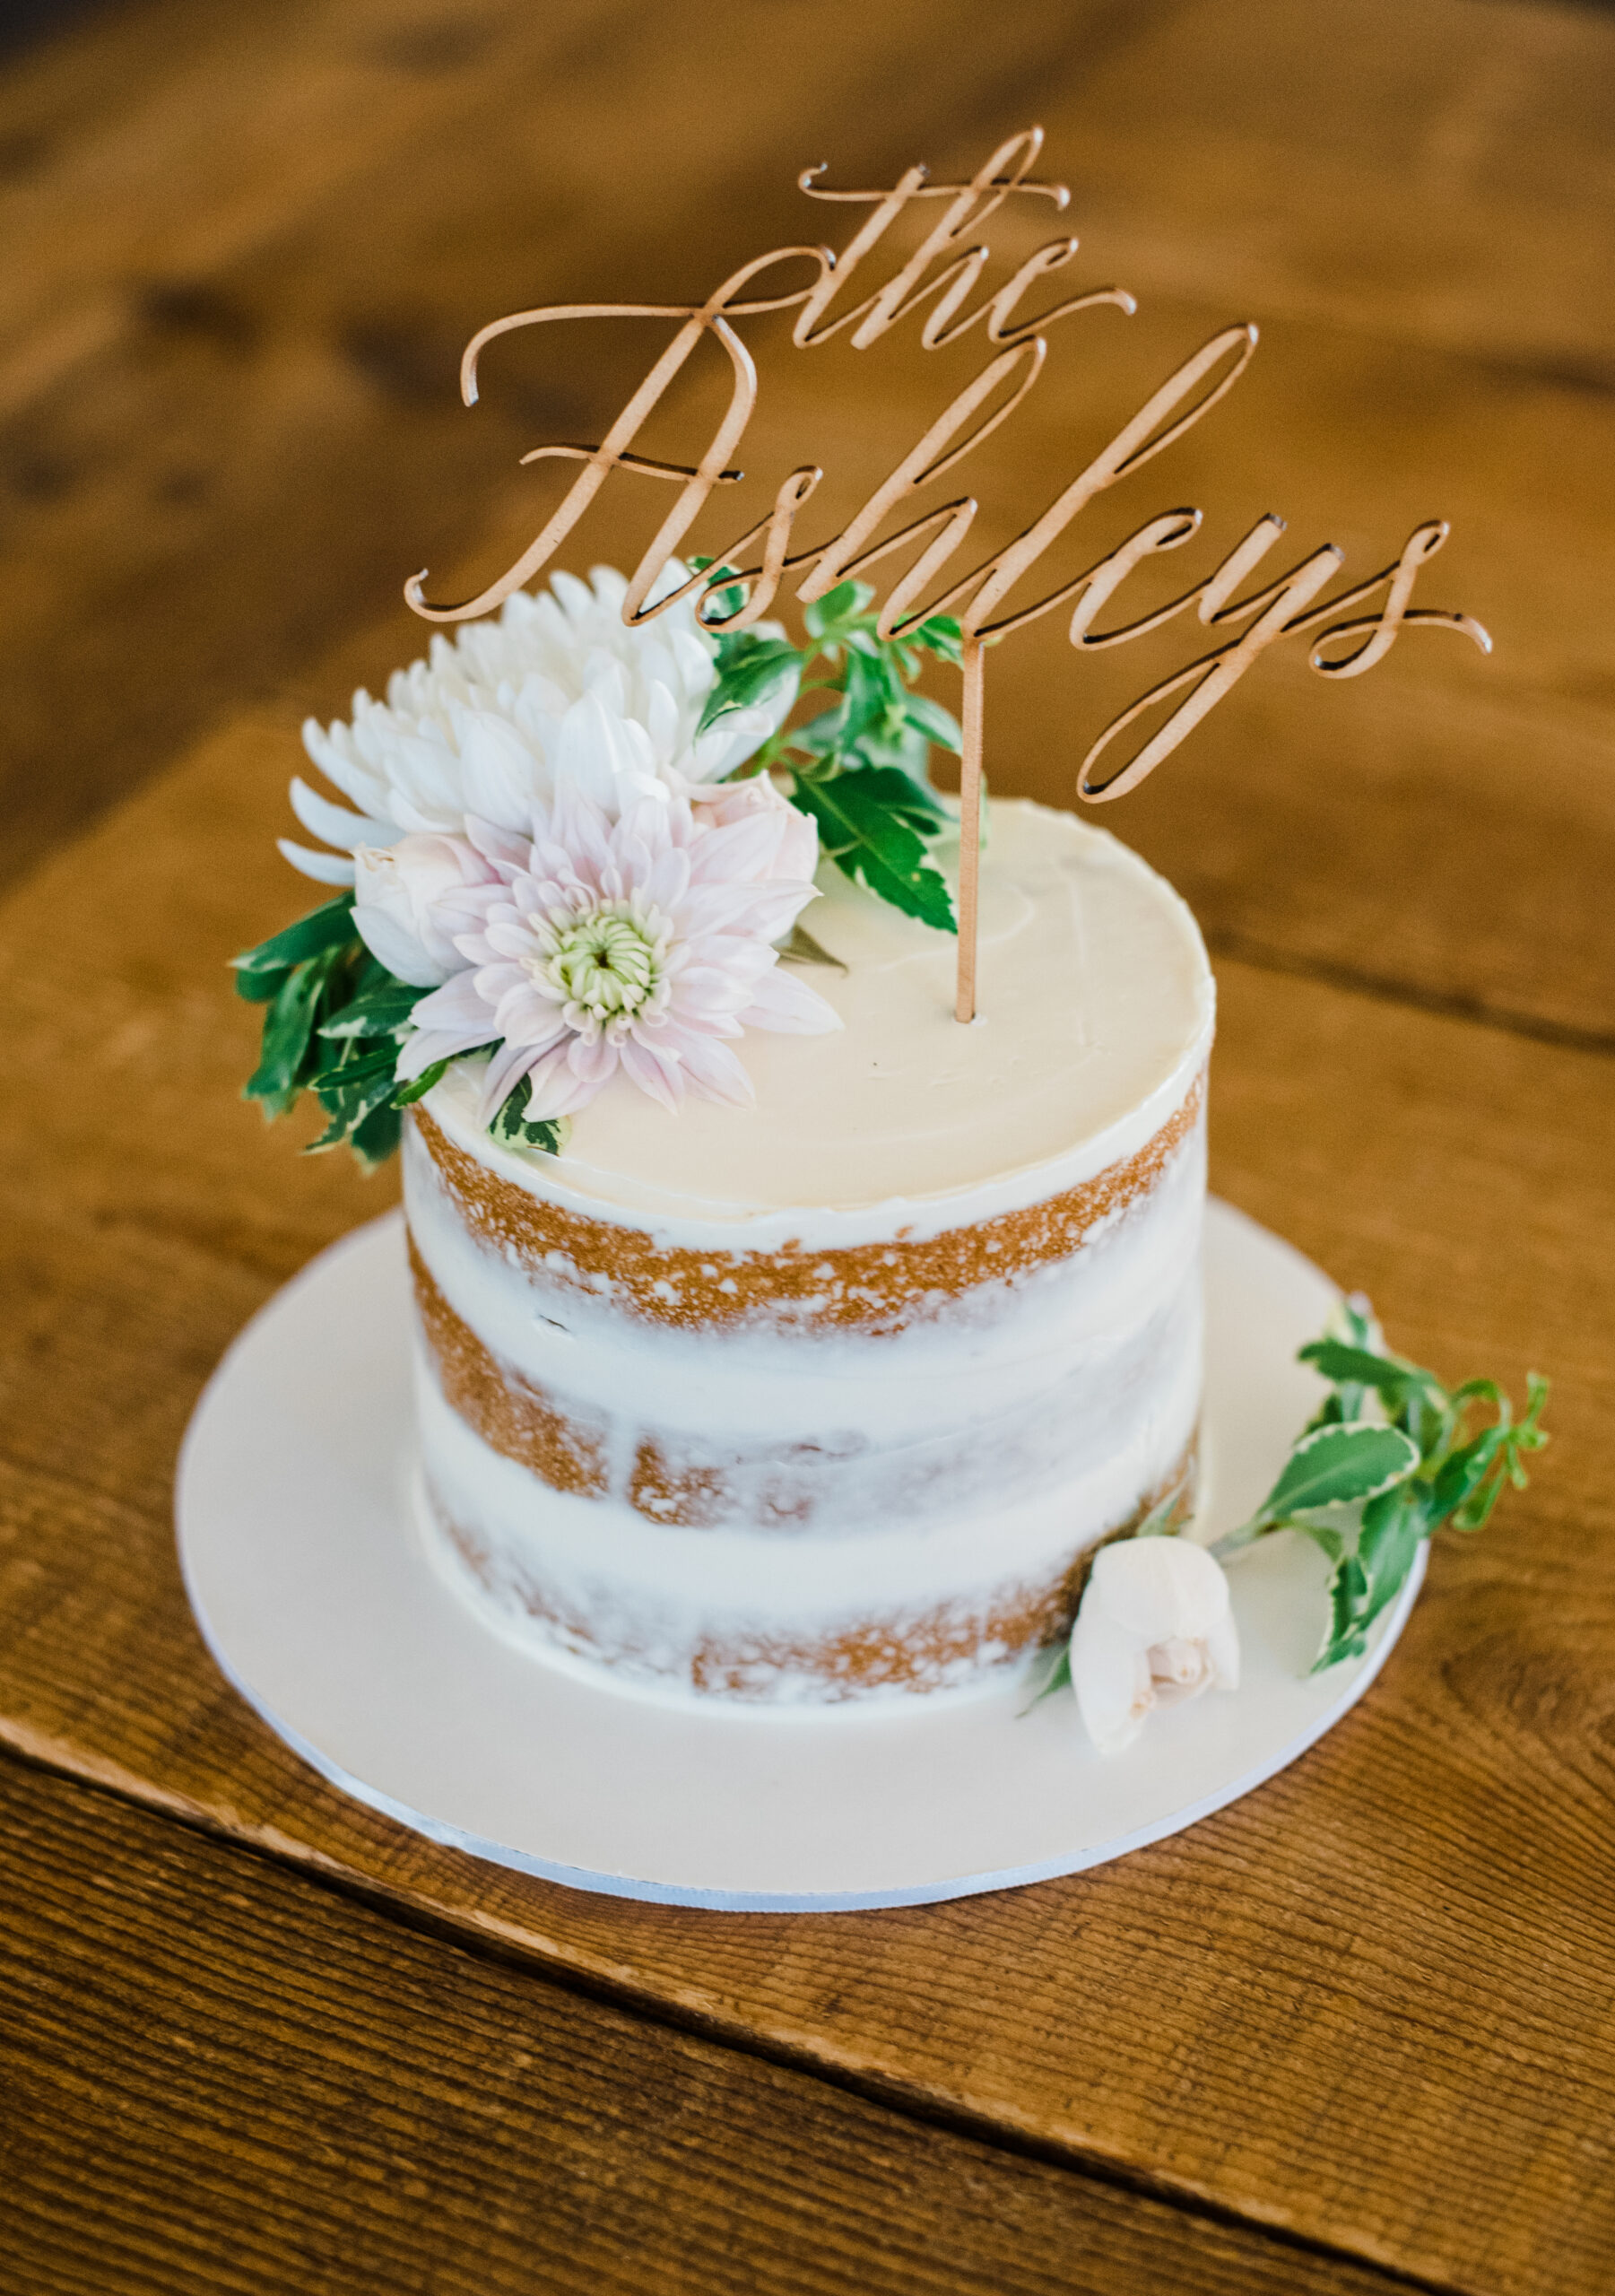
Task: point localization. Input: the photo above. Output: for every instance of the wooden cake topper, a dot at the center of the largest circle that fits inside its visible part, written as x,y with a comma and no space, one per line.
943,273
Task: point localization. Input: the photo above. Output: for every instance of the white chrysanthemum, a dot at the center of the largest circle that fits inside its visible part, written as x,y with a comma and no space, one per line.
644,943
556,688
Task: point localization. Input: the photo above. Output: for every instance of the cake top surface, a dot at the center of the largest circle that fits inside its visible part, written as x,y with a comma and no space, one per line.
1097,1004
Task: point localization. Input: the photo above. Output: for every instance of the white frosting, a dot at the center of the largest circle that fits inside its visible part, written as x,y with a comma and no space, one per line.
863,1477
1097,1009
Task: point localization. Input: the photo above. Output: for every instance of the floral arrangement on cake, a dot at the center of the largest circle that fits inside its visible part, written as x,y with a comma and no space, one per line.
573,848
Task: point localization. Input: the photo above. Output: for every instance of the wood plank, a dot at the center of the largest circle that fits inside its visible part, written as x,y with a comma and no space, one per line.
258,433
1371,2005
1443,176
220,2077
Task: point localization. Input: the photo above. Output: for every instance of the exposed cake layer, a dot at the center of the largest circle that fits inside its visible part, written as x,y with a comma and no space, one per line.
798,1451
879,1288
692,1618
837,1429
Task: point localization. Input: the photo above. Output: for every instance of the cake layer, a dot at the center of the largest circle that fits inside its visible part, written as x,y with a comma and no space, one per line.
841,1446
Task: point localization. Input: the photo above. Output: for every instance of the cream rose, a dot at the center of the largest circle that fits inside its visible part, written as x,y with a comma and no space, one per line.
405,904
1155,1627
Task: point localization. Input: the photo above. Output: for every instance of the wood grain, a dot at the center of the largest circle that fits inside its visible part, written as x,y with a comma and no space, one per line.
220,2077
1371,2005
228,417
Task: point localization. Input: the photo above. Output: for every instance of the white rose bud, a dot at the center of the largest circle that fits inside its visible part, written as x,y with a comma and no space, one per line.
403,905
1155,1627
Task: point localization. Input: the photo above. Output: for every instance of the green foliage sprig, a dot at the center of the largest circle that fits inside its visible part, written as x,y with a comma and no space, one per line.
335,1018
858,767
1391,1457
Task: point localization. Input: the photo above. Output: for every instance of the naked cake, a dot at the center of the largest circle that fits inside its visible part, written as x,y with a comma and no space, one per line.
828,1398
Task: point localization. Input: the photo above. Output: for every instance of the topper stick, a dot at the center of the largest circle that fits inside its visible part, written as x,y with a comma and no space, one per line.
969,826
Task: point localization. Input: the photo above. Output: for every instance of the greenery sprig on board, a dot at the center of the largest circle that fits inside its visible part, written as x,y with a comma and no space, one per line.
859,765
334,1021
1390,1456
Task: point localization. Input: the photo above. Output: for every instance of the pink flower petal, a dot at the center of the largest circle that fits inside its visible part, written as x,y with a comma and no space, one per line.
656,1076
455,1006
715,1074
784,1002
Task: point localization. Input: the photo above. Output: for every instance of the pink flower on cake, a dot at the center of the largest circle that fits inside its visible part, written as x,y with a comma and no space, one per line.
644,943
1155,1627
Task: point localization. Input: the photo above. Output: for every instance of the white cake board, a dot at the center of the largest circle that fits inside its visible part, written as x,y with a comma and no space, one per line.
314,1591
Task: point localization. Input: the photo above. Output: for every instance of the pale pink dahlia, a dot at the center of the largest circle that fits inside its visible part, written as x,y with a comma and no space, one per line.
644,943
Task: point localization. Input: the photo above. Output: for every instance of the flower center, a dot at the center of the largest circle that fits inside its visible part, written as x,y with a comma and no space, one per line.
606,964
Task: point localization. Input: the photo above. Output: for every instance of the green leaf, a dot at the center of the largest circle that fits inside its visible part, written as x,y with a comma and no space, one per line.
376,1138
1462,1471
419,1086
802,948
1345,1639
1393,1527
897,791
352,1095
1167,1518
288,1031
350,1101
551,1133
829,618
258,987
748,667
910,801
1323,1536
322,928
1364,1583
1340,1364
1388,1486
1333,1465
940,635
863,821
379,1011
1050,1671
360,1068
934,723
876,699
728,601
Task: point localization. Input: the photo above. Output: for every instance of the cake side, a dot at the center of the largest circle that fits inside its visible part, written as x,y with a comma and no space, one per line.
828,1517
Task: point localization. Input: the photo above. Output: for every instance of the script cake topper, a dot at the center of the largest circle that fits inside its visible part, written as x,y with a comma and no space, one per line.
943,273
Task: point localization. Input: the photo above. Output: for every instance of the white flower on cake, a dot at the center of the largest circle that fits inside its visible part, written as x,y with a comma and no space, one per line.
644,943
407,907
1155,1627
556,688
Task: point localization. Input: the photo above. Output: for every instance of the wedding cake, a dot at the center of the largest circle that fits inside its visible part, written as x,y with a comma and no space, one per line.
830,1397
779,1339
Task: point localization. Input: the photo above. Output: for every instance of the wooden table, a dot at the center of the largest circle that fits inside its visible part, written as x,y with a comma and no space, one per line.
1353,2034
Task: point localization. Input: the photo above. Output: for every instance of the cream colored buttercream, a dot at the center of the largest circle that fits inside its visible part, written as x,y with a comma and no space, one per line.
1097,1005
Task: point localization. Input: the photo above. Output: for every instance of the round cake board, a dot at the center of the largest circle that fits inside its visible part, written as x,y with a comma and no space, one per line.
317,1595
